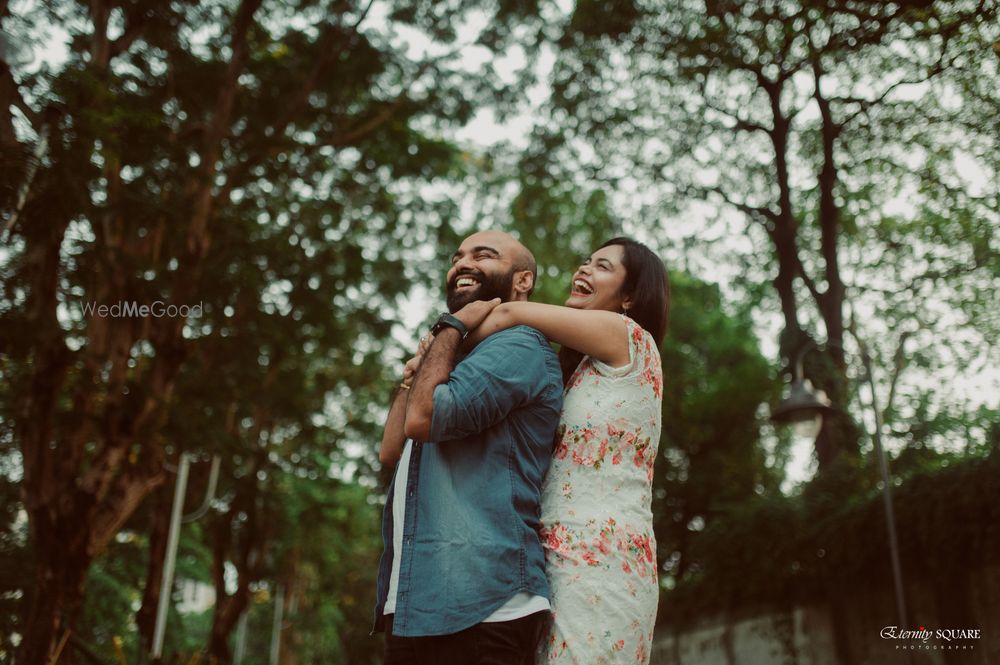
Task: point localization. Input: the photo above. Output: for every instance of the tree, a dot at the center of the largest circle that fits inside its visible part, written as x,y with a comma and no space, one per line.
799,118
247,158
801,129
715,381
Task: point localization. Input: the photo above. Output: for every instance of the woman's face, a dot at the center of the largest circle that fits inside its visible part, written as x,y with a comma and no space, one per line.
597,284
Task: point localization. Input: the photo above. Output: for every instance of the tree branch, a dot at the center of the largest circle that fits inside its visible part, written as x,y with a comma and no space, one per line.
10,95
741,123
808,281
131,485
135,26
197,241
312,79
899,363
365,128
758,213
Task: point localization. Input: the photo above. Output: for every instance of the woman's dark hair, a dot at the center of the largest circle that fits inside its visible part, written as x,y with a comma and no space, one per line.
647,285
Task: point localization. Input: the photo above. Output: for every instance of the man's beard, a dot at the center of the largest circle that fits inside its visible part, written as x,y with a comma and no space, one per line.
490,287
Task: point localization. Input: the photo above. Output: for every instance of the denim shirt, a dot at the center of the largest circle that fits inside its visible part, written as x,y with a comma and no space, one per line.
470,535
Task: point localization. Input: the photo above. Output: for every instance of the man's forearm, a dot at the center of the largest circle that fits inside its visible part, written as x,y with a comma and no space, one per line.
434,370
393,436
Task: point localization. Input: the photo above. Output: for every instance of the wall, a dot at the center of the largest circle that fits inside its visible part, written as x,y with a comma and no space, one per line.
805,635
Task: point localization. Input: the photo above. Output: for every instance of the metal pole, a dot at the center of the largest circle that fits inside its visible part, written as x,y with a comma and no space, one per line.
890,516
167,583
279,608
213,481
241,638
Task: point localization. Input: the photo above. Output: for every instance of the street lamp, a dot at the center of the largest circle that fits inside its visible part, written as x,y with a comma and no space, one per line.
806,405
177,517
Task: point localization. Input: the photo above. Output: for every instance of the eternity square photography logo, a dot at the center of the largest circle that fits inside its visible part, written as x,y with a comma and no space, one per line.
932,639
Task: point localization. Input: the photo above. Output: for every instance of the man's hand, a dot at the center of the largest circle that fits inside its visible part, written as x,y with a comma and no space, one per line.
476,312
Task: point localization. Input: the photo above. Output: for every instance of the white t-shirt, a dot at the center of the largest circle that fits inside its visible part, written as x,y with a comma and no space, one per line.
520,605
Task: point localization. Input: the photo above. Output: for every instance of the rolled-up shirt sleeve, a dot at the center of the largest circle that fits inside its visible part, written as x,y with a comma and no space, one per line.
505,371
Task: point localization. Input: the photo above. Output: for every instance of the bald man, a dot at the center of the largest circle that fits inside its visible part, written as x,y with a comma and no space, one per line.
462,579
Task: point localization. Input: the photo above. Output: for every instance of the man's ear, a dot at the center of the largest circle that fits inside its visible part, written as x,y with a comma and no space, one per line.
524,282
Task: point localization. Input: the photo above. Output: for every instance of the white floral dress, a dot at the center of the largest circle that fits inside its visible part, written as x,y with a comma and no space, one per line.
597,527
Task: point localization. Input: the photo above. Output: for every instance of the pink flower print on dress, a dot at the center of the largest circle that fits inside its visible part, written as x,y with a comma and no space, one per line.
561,450
554,536
609,550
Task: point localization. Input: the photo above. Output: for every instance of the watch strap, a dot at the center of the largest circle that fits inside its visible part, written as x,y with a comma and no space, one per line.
447,320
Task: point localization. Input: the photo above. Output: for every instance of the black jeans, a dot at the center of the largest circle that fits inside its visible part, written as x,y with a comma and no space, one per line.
502,643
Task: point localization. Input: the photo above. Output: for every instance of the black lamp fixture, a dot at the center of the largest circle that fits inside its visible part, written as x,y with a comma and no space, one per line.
802,404
805,407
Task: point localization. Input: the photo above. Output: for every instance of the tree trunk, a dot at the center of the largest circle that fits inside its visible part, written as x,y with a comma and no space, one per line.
56,595
77,499
228,609
288,652
246,554
783,230
840,436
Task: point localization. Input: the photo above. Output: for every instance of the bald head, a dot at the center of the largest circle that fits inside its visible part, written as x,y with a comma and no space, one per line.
490,264
520,256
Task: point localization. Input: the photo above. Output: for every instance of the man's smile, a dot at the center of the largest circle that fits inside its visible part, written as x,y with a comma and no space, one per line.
466,282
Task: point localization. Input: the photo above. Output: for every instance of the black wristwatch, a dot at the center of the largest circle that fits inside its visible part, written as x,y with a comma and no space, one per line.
446,320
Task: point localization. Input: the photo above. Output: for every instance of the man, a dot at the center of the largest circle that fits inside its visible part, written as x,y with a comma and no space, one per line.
462,576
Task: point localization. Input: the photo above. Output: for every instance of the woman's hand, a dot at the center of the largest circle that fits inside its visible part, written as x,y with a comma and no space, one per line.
413,364
473,314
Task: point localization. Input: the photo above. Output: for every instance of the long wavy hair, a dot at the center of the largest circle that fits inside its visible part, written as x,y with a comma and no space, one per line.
647,285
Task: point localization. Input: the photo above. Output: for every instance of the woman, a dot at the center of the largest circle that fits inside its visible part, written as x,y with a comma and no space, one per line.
596,520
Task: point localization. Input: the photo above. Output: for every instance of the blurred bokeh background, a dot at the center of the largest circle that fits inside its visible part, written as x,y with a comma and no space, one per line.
820,177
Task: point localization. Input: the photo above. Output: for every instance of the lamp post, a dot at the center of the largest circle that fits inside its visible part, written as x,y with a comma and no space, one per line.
177,517
804,404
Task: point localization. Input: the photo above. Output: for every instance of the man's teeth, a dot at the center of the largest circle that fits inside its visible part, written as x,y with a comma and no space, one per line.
465,281
582,286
